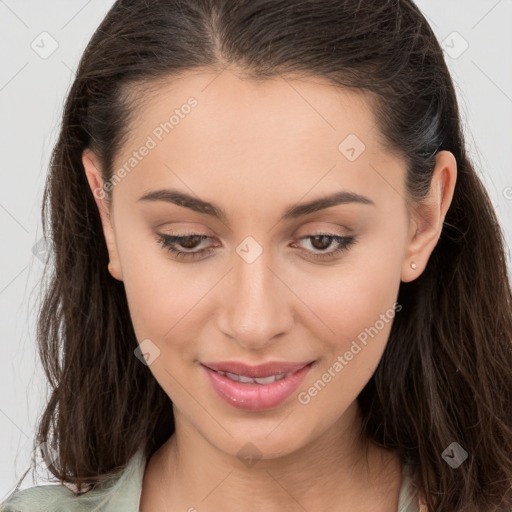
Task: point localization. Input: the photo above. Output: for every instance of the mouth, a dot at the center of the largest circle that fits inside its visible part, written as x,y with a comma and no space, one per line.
273,369
255,387
256,380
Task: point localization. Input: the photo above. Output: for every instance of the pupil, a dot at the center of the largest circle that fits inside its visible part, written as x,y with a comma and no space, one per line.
323,238
189,242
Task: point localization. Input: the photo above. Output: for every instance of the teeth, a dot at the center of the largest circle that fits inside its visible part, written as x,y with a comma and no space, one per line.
266,380
255,380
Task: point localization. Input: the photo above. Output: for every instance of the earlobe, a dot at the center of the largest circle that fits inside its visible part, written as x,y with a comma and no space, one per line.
94,178
428,217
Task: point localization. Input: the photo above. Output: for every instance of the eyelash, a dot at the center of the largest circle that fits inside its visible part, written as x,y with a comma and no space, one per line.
169,243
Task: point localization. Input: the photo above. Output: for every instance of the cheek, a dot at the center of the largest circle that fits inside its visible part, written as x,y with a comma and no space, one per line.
355,303
163,306
160,292
361,314
349,298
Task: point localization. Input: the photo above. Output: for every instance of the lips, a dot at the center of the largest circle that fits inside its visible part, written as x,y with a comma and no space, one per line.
255,388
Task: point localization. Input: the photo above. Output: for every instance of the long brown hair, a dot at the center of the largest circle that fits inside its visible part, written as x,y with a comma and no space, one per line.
446,373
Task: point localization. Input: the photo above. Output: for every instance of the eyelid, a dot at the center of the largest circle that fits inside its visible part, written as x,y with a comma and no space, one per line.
320,227
309,229
185,227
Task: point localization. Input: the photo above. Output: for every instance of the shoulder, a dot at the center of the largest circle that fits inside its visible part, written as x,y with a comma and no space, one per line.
119,494
409,500
40,499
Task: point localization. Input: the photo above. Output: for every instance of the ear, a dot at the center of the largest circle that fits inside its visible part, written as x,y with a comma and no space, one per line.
426,220
94,177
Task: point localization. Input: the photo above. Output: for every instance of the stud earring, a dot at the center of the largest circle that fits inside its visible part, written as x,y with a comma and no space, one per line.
413,266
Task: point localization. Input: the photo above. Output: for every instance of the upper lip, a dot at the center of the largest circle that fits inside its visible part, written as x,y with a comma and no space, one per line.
261,370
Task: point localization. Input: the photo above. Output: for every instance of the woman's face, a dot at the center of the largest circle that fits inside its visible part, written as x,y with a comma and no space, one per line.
240,167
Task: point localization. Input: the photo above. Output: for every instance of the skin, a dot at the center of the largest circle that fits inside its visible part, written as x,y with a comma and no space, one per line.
285,305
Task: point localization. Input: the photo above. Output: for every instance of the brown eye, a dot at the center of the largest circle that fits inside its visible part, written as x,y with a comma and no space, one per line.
322,241
190,241
172,244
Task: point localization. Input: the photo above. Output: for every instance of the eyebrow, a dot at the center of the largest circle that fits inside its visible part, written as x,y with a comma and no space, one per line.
205,207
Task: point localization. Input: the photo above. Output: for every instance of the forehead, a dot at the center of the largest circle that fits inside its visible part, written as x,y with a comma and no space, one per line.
284,133
285,107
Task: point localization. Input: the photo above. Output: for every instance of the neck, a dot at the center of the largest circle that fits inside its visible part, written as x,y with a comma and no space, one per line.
338,471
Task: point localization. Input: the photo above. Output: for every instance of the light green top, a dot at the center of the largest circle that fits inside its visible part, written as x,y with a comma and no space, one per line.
122,494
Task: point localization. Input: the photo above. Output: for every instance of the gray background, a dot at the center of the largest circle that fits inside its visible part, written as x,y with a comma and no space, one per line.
477,39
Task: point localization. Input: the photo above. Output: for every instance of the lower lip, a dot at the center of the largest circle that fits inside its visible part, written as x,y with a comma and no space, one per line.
255,397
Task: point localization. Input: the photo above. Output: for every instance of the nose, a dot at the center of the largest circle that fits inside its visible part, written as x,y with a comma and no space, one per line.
256,305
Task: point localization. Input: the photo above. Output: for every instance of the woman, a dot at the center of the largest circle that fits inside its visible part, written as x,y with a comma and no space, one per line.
279,283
